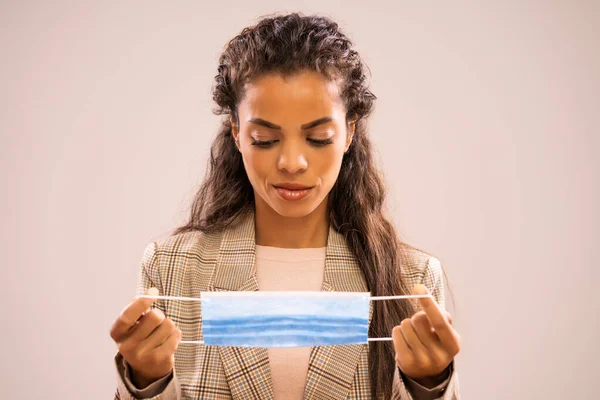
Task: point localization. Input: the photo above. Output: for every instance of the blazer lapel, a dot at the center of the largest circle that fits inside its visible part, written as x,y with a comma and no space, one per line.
246,369
332,368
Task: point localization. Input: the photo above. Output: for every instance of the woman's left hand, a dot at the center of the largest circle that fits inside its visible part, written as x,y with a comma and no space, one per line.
426,343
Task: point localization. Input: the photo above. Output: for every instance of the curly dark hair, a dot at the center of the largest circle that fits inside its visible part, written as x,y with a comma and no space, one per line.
286,45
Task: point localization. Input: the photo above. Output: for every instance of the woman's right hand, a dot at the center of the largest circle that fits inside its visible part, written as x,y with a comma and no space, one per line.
146,340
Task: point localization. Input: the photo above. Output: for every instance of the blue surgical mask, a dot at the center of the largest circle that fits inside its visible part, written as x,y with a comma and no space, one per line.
284,319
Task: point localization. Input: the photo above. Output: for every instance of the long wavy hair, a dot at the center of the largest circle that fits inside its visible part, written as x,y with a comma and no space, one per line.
286,45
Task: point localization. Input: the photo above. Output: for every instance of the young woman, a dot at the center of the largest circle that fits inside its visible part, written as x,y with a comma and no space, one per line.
292,201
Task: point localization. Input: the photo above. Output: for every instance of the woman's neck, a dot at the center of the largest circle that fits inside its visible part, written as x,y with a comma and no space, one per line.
275,230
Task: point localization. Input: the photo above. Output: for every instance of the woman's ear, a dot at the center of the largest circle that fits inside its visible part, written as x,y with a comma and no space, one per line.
235,132
350,134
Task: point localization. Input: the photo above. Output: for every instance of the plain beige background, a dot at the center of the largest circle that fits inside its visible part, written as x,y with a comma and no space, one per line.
486,125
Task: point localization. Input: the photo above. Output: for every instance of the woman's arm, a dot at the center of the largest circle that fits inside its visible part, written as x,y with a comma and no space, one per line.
444,385
128,386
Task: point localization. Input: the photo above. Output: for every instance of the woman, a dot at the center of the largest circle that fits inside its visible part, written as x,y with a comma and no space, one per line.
292,201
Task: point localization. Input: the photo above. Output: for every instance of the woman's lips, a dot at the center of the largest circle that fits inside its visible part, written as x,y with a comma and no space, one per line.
292,194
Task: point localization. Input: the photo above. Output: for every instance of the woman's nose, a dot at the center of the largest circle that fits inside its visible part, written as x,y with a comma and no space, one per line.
292,159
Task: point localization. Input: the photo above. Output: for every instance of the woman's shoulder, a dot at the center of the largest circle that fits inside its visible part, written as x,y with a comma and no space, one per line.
182,263
181,249
419,266
191,242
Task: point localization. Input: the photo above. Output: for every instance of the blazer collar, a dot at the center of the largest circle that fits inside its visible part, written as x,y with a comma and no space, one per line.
331,369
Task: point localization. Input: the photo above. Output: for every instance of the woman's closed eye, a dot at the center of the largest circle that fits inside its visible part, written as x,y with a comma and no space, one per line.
263,143
269,143
319,142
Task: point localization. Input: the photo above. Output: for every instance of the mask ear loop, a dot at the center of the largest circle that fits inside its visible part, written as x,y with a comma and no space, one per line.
371,298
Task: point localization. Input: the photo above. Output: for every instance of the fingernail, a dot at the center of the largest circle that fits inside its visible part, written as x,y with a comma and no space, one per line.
420,289
152,291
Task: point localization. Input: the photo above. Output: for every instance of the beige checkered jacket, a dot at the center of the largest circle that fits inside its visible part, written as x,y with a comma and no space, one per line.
190,263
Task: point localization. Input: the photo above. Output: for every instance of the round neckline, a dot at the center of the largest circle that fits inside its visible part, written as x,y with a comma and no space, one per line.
289,254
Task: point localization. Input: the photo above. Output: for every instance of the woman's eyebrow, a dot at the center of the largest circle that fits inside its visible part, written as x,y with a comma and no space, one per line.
260,121
270,125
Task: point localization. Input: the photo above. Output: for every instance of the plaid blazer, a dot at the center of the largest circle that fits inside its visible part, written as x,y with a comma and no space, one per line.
190,263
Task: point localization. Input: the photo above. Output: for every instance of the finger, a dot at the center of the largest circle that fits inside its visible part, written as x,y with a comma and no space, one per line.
404,355
130,314
436,317
448,316
414,342
424,330
147,324
170,345
158,336
435,351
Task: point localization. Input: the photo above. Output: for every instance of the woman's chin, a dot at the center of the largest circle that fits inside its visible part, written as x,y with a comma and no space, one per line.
293,210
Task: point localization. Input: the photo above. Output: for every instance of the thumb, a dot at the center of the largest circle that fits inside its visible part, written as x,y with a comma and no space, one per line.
420,289
152,291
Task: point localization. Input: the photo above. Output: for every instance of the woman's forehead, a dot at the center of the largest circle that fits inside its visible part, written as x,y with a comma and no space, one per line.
302,86
306,95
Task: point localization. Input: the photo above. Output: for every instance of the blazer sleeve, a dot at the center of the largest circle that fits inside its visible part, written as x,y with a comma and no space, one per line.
433,279
166,388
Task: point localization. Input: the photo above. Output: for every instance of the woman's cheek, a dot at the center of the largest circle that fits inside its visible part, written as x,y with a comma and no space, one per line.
249,161
329,166
257,167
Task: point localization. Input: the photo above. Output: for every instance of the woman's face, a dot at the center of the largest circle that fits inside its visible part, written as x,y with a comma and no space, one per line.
292,134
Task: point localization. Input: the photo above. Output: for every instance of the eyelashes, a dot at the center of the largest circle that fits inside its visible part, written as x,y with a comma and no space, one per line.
320,143
268,143
263,143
